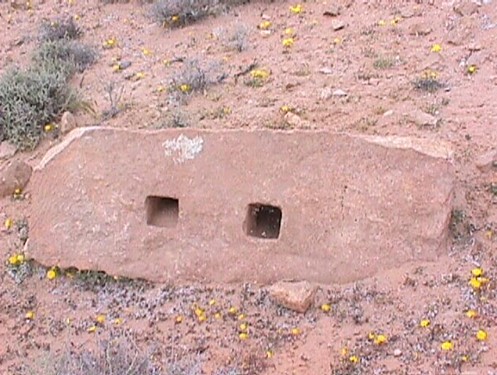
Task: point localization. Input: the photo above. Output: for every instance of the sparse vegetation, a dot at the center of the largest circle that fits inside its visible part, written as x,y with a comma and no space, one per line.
59,29
428,82
114,95
178,13
195,77
117,355
32,97
239,38
384,62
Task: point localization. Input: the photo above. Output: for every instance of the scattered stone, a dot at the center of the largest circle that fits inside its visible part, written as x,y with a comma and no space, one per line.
326,70
124,65
296,296
420,29
7,150
14,176
397,353
466,8
67,123
388,113
337,25
487,161
295,120
421,118
333,11
326,93
339,93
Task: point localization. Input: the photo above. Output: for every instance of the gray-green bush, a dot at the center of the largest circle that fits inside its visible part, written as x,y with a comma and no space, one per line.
33,96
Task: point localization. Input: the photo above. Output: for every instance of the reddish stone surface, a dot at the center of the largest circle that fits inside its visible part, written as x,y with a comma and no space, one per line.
183,204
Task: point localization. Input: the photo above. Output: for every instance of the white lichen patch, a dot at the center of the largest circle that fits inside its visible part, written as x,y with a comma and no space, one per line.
183,148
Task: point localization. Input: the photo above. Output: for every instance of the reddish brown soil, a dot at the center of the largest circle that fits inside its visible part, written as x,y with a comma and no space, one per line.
378,100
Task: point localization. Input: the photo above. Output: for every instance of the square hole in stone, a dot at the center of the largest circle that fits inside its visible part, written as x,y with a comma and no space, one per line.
263,221
162,211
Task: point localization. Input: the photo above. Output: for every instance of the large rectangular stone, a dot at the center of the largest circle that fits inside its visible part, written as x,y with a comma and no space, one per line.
180,205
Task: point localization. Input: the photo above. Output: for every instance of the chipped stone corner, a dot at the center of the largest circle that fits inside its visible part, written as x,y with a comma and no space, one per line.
68,140
182,148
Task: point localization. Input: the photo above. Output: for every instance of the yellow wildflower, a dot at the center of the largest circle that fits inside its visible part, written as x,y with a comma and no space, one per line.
243,336
481,335
178,319
51,274
380,339
265,25
296,331
436,48
218,316
354,359
447,345
242,316
260,74
8,223
475,283
471,314
16,259
472,69
110,43
100,319
232,310
381,23
13,260
175,18
326,307
296,9
30,315
344,351
118,321
185,88
139,75
48,128
477,272
244,327
288,42
212,302
425,323
269,354
92,329
17,193
147,52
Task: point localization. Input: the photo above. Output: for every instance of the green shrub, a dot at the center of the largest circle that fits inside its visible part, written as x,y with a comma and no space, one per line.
31,98
177,13
59,29
68,55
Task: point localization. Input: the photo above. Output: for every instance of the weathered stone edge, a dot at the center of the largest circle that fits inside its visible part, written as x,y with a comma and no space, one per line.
436,149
